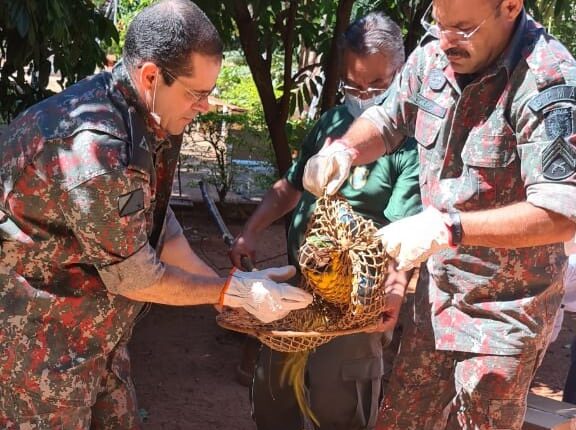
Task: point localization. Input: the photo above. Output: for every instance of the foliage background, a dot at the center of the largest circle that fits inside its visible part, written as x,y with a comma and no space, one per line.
281,60
38,37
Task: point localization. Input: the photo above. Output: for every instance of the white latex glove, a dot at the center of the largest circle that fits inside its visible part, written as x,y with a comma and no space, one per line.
412,240
258,293
329,168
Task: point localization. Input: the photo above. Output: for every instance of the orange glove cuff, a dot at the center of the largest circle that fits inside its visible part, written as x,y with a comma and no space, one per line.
226,285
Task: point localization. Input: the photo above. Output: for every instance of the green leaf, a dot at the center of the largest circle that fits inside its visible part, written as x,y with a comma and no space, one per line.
306,93
21,18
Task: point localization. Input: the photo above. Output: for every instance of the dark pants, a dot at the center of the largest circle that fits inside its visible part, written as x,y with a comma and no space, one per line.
570,386
344,381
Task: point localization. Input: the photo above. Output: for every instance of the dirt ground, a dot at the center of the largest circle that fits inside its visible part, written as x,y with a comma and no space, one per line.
184,364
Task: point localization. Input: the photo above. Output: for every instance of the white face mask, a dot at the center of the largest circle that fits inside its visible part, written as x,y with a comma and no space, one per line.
356,105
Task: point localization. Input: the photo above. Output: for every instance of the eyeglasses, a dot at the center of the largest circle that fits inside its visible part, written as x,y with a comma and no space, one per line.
357,92
193,95
454,36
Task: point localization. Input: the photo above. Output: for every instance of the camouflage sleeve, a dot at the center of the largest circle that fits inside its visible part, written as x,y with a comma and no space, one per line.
547,148
107,214
141,270
396,117
171,229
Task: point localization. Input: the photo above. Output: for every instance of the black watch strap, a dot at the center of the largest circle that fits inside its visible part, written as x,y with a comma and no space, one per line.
455,227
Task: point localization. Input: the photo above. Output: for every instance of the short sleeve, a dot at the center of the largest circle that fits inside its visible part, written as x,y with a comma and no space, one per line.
547,151
109,213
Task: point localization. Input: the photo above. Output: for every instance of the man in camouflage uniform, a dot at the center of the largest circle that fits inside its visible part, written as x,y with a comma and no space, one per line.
490,97
344,377
86,233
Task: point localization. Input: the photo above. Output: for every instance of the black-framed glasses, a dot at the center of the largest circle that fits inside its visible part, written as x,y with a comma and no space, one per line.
455,36
193,95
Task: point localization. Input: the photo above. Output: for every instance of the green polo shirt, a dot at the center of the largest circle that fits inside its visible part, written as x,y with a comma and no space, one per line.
384,191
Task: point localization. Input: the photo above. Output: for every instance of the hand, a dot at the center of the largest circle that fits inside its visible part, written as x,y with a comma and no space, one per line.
412,240
244,246
329,168
258,293
390,315
395,290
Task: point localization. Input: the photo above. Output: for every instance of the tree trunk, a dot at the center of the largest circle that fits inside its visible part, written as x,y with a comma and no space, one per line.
332,66
275,113
415,30
280,144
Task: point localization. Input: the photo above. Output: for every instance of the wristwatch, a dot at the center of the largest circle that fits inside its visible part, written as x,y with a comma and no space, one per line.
452,221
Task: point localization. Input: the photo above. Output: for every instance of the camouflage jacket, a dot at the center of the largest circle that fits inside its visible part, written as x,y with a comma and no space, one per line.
84,181
496,141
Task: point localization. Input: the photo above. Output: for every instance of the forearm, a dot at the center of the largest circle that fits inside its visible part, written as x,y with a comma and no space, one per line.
366,139
177,252
277,202
375,133
515,226
179,287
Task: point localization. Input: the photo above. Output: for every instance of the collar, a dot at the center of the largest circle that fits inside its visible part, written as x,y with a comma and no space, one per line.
122,82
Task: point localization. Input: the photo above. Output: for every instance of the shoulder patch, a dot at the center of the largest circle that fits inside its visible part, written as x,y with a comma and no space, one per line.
436,79
131,202
559,122
559,160
552,95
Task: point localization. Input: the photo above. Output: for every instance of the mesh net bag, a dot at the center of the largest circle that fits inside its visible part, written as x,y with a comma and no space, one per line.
343,266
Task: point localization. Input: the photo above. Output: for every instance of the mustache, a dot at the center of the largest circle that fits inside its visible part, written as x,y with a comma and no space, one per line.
455,52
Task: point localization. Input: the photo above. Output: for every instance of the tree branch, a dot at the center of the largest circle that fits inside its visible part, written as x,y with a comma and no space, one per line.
303,70
290,36
332,67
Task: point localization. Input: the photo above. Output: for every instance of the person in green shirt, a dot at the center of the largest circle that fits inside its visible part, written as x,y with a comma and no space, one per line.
344,376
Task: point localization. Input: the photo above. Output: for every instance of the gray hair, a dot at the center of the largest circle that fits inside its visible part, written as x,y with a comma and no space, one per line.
374,33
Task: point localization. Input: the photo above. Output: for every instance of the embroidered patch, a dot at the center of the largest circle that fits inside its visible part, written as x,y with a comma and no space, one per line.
359,177
559,160
428,105
131,202
553,95
436,79
140,155
143,144
559,122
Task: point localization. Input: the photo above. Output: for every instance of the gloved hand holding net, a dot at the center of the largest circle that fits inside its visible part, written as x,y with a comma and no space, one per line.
259,293
344,267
